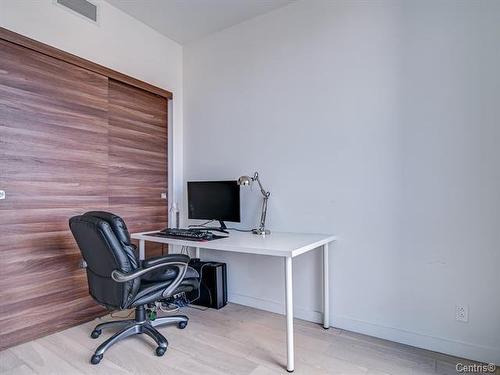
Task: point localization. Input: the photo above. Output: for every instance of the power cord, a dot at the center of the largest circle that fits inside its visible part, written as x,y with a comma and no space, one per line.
240,230
201,225
168,309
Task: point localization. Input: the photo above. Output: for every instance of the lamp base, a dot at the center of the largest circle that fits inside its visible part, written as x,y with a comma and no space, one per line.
261,232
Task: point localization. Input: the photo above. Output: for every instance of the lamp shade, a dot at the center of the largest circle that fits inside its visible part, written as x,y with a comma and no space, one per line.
244,181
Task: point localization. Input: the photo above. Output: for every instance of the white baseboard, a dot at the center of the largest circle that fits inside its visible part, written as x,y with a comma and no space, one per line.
438,344
275,307
442,345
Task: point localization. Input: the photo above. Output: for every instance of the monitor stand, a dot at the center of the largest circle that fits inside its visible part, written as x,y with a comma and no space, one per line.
222,228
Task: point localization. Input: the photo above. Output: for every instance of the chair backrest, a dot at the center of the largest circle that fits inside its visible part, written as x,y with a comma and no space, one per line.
105,245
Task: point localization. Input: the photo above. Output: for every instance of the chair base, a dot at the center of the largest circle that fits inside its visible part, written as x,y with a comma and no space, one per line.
136,326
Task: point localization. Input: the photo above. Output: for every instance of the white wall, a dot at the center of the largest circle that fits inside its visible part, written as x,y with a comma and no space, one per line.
377,121
119,42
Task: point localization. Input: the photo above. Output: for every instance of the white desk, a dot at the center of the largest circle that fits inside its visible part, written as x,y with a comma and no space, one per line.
285,245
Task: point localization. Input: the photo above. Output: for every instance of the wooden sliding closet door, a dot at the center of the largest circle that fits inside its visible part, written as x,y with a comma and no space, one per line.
71,140
137,158
53,165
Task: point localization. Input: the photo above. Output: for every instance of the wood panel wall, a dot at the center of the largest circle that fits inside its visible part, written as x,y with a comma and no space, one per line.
71,140
137,162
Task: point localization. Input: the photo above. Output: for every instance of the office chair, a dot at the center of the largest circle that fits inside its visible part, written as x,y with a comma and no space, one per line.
118,280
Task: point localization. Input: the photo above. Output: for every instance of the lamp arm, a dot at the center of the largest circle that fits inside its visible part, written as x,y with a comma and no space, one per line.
265,193
246,180
263,213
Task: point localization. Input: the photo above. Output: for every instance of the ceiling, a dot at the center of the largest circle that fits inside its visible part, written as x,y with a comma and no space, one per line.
187,20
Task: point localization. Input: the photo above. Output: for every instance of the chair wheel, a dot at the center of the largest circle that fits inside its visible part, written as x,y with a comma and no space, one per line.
95,334
96,359
160,351
182,325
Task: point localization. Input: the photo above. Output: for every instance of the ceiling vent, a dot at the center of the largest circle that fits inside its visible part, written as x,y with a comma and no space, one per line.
82,7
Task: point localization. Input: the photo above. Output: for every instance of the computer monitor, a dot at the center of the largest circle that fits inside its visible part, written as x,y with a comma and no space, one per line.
214,200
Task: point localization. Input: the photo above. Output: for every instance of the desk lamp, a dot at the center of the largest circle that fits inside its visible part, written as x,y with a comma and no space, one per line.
246,181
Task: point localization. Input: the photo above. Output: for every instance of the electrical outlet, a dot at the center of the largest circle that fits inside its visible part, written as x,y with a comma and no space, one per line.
462,313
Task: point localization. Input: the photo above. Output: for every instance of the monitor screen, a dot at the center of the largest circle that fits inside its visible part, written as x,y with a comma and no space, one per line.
214,200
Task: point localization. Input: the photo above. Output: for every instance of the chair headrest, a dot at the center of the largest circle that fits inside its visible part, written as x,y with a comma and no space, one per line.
115,222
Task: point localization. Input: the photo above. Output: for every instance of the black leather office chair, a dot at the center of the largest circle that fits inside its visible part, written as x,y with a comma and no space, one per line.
118,280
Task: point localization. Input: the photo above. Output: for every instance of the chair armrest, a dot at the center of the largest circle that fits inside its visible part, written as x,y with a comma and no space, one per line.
182,267
179,261
122,277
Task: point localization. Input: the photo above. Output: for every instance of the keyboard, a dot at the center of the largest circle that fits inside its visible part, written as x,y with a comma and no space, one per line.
187,234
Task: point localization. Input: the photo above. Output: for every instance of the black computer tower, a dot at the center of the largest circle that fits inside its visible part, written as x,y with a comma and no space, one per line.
213,286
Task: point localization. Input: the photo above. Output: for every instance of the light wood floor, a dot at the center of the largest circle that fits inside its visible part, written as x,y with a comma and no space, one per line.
234,340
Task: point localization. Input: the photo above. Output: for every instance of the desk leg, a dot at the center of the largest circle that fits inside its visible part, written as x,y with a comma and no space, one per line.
289,314
142,249
326,289
197,252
